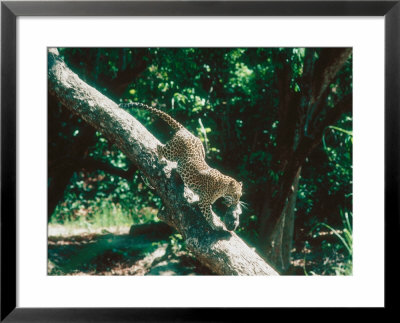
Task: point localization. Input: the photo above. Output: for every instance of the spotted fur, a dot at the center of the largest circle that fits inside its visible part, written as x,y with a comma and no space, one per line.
188,151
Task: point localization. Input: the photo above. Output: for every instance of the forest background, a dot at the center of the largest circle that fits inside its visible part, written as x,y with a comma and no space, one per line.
251,108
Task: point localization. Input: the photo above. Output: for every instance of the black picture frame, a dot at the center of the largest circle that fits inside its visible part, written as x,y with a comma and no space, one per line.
11,10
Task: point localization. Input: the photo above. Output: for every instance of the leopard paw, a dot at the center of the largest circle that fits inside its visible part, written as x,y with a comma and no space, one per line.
215,222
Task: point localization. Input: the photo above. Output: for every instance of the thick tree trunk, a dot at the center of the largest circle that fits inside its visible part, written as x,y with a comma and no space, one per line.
280,241
224,252
298,134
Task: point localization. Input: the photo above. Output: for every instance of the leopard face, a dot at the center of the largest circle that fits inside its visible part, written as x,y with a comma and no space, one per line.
234,192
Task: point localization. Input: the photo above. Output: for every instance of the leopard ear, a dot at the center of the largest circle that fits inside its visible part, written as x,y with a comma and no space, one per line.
233,183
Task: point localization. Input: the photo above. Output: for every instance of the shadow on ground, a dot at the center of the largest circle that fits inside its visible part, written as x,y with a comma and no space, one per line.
145,250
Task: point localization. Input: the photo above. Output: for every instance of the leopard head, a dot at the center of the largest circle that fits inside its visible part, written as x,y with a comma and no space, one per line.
233,192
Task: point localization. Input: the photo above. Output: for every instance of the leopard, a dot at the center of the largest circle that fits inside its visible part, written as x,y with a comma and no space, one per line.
188,152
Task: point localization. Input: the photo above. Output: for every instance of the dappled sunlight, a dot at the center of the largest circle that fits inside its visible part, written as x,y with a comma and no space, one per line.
117,251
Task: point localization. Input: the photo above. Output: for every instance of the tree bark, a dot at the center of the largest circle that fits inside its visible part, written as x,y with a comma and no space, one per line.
281,239
223,252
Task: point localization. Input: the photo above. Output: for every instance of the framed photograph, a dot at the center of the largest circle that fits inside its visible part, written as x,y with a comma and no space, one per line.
154,151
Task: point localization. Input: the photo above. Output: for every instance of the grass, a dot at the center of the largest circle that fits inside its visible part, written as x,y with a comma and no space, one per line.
108,216
338,257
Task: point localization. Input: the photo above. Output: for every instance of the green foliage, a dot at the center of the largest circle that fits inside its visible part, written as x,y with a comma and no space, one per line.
230,98
342,250
104,200
331,191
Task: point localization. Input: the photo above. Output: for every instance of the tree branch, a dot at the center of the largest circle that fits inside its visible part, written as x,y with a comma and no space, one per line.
326,69
224,252
327,66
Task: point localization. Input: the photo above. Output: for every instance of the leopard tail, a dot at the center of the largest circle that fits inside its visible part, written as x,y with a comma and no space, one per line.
164,116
